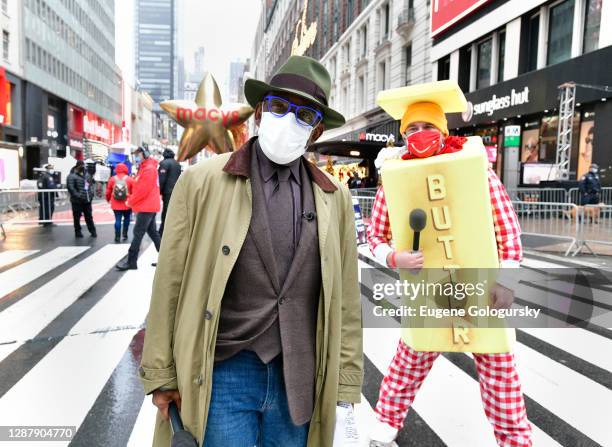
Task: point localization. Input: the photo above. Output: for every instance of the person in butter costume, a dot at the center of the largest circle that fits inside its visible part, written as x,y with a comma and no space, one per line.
424,128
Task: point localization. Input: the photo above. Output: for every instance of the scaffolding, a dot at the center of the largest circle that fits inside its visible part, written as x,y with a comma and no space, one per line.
567,104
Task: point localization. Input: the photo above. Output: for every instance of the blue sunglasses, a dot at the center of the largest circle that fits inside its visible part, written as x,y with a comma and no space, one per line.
304,115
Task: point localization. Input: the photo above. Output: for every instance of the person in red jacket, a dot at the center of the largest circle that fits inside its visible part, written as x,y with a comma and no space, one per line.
145,202
118,189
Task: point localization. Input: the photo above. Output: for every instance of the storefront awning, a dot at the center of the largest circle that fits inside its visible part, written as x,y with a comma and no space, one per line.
354,149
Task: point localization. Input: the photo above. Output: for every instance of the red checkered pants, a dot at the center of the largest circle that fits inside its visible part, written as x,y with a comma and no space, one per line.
500,389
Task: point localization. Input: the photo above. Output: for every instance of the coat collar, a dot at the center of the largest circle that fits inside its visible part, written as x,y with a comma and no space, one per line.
240,161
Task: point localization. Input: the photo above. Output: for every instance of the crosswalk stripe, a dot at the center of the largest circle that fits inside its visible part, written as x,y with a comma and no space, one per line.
578,342
22,274
536,263
566,394
43,305
547,397
142,434
11,256
76,370
449,400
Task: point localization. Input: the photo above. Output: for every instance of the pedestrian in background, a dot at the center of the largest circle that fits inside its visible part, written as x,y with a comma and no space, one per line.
118,189
145,202
169,172
590,187
46,199
80,187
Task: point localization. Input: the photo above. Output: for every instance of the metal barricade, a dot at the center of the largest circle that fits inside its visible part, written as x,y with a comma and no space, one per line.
595,227
31,206
365,203
548,195
605,196
365,192
561,221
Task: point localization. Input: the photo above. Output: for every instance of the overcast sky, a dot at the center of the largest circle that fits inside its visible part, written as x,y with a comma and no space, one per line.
224,28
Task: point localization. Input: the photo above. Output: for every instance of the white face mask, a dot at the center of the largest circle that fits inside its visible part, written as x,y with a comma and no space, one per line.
282,139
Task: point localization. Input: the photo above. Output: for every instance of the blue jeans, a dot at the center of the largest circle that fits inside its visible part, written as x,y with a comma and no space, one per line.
126,215
249,406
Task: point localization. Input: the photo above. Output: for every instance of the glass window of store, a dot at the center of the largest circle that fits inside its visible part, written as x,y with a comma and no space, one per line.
560,26
483,78
501,55
592,23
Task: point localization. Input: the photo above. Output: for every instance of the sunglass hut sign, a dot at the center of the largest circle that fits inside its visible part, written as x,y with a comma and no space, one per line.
497,103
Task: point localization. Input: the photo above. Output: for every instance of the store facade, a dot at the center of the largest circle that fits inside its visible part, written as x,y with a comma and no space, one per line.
518,120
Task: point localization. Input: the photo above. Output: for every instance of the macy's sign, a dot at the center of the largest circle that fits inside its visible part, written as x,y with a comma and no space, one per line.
379,137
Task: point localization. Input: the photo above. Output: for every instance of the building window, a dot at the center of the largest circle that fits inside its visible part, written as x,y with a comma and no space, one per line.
336,19
483,77
386,21
407,63
349,13
5,6
382,74
592,22
501,55
5,45
561,22
360,93
465,74
533,36
364,40
333,69
444,68
347,55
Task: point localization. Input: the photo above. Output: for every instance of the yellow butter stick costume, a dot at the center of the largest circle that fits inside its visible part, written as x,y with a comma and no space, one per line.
453,190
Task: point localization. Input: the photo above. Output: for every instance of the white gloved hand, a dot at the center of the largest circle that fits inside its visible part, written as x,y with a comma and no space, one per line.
345,433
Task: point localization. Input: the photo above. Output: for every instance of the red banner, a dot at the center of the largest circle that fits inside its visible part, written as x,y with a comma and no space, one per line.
445,13
5,98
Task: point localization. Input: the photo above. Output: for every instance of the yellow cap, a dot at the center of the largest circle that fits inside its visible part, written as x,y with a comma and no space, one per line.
428,112
446,94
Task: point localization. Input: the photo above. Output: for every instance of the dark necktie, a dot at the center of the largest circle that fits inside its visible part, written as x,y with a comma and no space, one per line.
280,209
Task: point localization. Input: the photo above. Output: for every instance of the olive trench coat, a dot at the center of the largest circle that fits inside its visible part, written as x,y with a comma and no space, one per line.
206,225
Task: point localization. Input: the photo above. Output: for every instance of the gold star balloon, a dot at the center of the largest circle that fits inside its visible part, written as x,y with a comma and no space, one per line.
208,123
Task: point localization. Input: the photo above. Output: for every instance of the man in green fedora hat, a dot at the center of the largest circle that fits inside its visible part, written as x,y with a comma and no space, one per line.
254,327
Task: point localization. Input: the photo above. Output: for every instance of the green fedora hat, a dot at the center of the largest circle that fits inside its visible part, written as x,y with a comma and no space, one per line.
302,76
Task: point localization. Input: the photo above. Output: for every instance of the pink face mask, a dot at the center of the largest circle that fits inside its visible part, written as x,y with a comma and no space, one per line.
424,143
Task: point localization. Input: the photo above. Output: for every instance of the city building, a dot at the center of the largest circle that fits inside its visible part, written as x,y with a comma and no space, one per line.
236,80
367,46
154,46
141,118
199,68
511,57
190,90
11,74
386,46
156,58
65,86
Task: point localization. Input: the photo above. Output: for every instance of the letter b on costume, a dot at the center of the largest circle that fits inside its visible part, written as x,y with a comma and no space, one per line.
435,187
